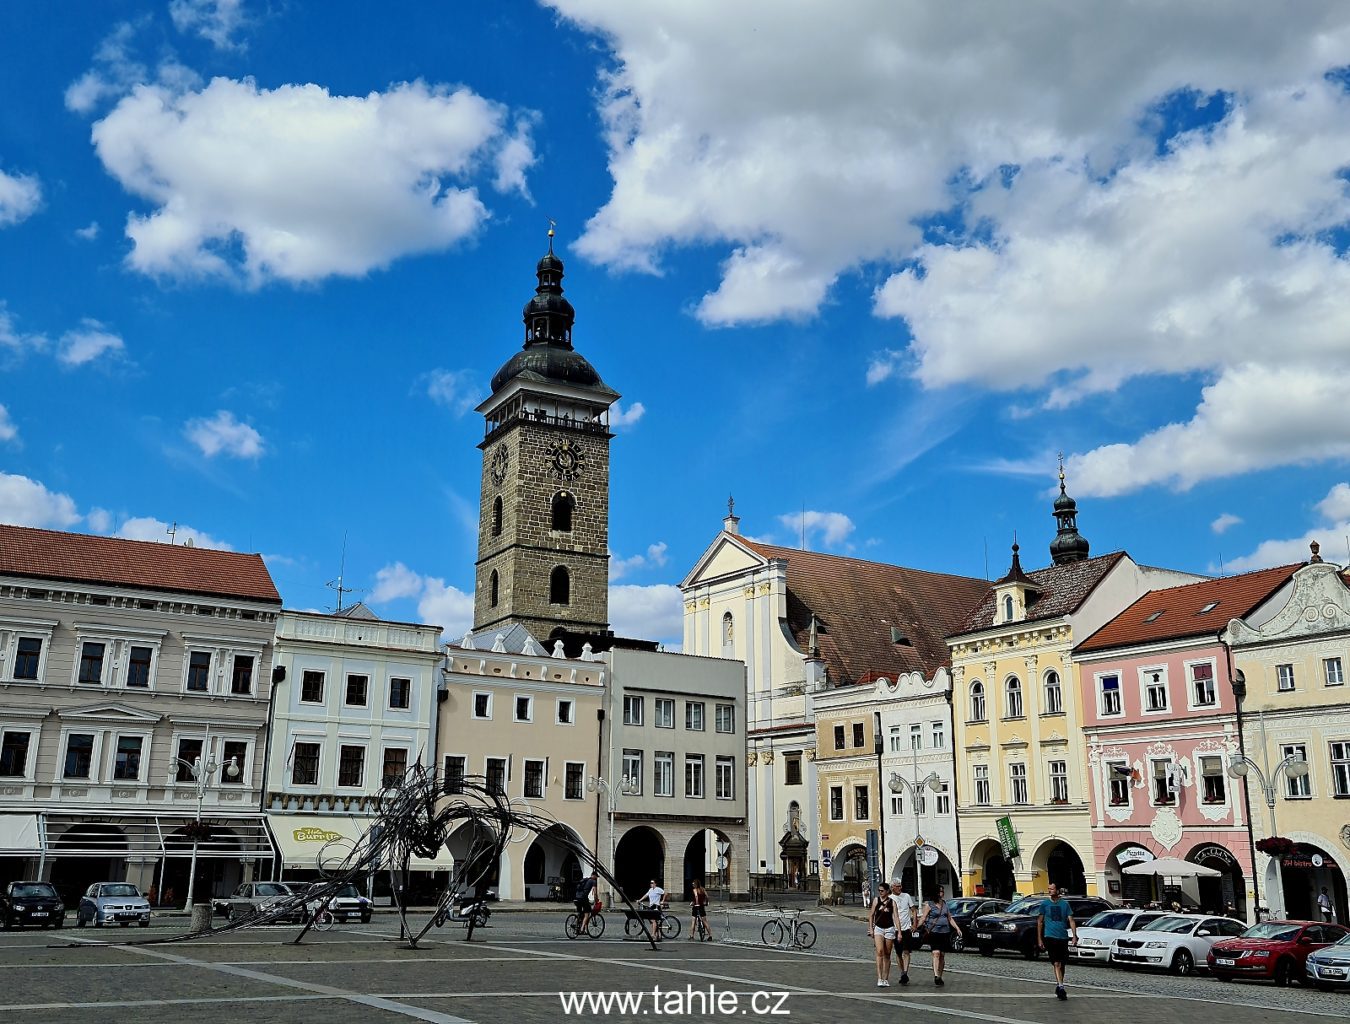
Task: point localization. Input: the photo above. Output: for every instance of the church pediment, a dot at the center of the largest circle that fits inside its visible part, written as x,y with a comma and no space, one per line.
1319,604
726,556
109,711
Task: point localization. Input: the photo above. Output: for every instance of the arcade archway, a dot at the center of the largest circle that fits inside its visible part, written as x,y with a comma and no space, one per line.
640,857
1058,863
995,874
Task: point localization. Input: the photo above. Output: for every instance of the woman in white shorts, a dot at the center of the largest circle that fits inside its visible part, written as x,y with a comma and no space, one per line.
881,926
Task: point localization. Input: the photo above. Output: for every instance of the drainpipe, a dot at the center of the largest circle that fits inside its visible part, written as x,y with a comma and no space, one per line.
600,769
1239,684
277,675
885,873
958,867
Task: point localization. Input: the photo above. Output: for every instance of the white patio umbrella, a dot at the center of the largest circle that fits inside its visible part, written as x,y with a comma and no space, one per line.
1171,867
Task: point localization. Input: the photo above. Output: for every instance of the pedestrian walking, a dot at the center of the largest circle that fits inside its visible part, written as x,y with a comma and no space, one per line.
938,921
881,926
1054,925
906,938
1324,904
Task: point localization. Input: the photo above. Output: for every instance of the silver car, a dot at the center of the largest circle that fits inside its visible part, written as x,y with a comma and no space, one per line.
113,903
251,897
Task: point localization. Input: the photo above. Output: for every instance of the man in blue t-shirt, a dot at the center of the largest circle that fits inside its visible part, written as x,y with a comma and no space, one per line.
1054,925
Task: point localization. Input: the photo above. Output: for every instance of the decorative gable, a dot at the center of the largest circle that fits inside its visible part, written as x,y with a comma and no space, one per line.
1319,604
108,712
726,557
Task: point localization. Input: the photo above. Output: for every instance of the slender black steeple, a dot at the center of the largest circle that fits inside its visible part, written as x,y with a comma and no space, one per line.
1069,545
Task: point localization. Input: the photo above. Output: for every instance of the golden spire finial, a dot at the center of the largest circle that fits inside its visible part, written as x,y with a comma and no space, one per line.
1061,472
551,225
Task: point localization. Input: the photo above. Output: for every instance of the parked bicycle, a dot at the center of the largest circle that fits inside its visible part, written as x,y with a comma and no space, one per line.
595,927
787,929
324,919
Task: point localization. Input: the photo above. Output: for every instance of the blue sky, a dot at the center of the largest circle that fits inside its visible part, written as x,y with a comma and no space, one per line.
877,265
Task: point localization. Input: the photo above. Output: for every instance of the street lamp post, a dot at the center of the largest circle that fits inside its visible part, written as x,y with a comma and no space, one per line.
899,783
201,778
626,786
1293,766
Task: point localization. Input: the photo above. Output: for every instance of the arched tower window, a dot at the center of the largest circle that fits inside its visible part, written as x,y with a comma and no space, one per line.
559,586
1012,692
497,516
977,701
563,504
1054,694
1007,608
495,584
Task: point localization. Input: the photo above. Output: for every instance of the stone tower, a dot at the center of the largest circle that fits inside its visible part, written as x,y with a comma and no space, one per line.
543,527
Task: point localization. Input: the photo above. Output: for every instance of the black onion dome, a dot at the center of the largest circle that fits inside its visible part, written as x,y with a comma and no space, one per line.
1064,503
547,362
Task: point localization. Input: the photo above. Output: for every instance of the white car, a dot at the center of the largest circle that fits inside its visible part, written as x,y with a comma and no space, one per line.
1095,937
1177,942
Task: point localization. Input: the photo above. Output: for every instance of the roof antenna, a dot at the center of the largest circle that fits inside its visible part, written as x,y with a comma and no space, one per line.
986,559
172,531
1221,564
802,523
342,569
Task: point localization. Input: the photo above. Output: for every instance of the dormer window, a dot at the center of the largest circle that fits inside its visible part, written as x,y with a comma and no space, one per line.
1007,608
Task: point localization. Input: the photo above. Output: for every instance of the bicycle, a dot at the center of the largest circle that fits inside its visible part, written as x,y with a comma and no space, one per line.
595,927
667,925
701,930
788,929
324,919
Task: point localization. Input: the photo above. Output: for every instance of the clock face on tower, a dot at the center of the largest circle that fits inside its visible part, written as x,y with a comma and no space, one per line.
567,458
499,460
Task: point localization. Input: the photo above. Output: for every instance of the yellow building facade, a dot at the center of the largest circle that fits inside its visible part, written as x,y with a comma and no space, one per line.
848,785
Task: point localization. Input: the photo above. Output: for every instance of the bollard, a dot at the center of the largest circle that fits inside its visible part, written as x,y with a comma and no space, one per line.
201,917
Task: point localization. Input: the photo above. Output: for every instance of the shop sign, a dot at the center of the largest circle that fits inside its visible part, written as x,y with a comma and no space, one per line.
1007,836
1213,852
1134,854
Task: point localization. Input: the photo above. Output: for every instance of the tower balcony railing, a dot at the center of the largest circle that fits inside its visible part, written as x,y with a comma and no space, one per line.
595,425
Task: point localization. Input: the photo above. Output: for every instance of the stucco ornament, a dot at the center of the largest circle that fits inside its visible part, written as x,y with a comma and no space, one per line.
1345,836
1166,828
766,757
751,759
810,753
1320,603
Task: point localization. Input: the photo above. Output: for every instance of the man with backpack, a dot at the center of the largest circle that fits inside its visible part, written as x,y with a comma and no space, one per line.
585,900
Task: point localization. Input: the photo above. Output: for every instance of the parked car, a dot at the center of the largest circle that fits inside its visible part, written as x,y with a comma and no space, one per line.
1095,937
1015,928
1177,942
1329,967
112,903
964,910
252,897
1272,950
346,903
24,903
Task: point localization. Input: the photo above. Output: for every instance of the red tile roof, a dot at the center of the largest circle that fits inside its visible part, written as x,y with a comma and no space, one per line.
81,558
1196,609
1060,590
857,602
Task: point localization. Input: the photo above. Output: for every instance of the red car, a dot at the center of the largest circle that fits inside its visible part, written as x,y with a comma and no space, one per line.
1271,951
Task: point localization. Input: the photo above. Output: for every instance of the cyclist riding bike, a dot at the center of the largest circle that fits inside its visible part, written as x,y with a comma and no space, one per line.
585,900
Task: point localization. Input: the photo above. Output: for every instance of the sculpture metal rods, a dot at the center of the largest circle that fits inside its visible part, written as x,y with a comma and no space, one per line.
416,818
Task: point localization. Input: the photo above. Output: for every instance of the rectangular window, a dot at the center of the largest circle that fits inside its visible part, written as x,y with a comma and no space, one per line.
839,737
939,735
916,737
311,687
632,709
1211,778
1059,782
567,712
663,713
351,765
27,657
1331,669
982,785
663,777
1155,691
534,780
1164,785
792,770
632,769
895,739
496,775
1118,779
693,775
1202,685
1301,787
836,803
944,800
91,662
1054,694
524,709
127,761
482,705
726,778
1110,696
395,767
456,767
726,718
1017,775
921,801
14,755
693,715
861,803
400,693
574,781
199,671
897,804
79,756
189,752
138,667
1284,678
241,679
237,751
356,691
305,764
858,736
1340,768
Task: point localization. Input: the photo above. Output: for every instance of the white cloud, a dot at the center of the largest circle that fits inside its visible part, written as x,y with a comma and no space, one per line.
149,528
115,72
87,343
445,606
337,185
831,528
100,520
223,434
20,196
454,389
393,582
8,431
89,232
213,20
25,502
1332,534
884,366
647,613
1225,522
619,417
655,556
1335,507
